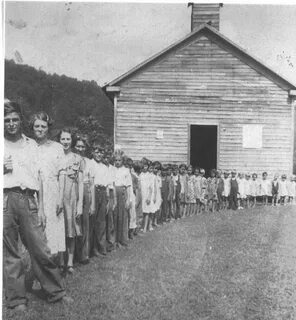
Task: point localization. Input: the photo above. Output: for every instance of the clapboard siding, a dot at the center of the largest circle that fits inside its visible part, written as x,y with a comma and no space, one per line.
204,12
202,83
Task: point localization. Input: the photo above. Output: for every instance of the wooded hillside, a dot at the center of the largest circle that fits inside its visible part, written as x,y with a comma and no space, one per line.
68,101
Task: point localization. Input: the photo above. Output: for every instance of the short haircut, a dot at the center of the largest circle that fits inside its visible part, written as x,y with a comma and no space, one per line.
128,162
67,130
137,165
118,153
97,144
213,171
81,137
12,106
157,165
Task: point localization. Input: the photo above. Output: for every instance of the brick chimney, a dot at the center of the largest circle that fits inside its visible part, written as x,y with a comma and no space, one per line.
203,13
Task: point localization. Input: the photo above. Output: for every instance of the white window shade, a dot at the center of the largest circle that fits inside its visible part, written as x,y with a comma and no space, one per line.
252,136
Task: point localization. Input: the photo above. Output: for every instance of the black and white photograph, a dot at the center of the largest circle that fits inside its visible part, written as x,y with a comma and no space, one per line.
149,161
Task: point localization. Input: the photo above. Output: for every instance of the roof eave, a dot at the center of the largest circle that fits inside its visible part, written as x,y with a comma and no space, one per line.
154,57
255,62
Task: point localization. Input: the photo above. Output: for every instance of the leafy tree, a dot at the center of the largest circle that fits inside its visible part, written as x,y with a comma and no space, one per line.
68,101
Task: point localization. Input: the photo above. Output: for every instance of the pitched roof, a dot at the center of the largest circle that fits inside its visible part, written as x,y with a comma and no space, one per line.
225,43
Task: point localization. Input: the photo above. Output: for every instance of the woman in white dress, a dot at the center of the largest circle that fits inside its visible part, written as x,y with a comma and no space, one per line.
50,157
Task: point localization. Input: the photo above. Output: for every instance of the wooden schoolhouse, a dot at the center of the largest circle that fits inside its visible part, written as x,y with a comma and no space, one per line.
206,101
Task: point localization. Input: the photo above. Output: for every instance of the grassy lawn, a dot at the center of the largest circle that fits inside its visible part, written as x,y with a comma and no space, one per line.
231,265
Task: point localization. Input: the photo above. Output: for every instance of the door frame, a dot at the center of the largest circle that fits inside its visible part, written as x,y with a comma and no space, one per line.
203,123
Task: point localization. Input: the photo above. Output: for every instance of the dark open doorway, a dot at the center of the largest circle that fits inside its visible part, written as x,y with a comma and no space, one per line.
203,146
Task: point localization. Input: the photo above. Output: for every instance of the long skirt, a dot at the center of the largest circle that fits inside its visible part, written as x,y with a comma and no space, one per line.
55,225
72,224
121,217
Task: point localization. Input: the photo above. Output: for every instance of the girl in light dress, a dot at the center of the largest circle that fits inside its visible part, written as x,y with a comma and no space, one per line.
137,166
226,192
190,192
153,199
158,186
197,189
254,190
128,163
204,191
265,188
147,187
71,180
283,190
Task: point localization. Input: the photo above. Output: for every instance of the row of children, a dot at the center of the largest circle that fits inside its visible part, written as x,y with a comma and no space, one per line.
171,192
91,206
161,194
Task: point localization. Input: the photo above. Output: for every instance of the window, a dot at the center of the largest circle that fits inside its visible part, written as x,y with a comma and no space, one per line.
252,136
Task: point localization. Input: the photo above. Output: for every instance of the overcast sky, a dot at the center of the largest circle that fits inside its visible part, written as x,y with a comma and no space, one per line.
100,41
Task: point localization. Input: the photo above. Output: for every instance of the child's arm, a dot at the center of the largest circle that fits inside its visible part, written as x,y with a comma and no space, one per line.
80,194
93,198
41,213
154,190
128,190
186,187
115,196
61,192
148,200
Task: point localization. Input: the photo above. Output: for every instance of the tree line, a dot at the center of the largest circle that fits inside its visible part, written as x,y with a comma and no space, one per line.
81,105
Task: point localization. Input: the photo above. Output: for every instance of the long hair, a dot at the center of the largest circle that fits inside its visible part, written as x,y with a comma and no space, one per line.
12,106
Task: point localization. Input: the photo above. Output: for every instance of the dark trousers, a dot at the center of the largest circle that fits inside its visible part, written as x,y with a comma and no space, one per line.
98,221
20,218
165,210
233,200
110,236
82,243
121,217
220,200
177,201
172,210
